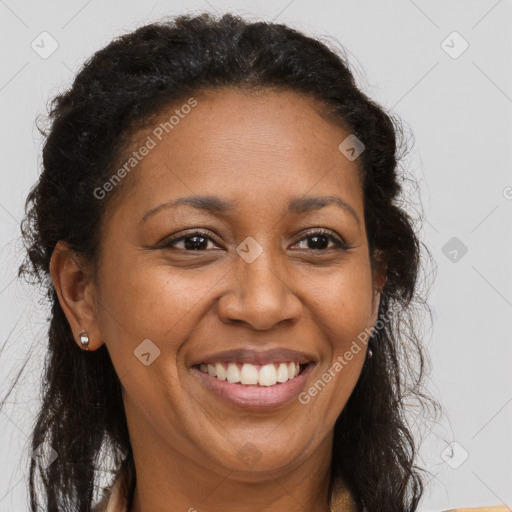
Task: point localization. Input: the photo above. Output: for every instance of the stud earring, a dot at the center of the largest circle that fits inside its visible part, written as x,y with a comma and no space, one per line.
369,354
84,340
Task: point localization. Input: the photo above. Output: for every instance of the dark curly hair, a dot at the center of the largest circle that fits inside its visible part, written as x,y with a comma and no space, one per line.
117,91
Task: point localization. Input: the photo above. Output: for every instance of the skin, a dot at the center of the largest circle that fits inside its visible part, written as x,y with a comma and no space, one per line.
260,149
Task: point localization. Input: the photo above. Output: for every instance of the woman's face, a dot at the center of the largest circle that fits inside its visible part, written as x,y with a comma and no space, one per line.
257,286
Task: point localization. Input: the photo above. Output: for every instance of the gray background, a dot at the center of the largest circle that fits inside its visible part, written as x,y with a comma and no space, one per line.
459,109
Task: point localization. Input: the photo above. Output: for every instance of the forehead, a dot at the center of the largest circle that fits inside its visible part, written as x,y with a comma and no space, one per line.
235,142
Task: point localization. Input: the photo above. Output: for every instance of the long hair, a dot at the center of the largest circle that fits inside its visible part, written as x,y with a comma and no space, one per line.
88,127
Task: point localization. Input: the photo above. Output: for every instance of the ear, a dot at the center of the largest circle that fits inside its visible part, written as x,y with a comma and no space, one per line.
76,292
379,281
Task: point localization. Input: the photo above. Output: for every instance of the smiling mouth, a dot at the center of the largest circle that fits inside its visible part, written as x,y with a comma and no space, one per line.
247,374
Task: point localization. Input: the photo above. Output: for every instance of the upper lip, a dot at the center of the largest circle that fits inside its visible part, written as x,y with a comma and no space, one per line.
256,357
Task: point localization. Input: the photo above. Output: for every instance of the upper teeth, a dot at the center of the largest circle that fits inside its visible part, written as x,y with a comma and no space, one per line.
266,375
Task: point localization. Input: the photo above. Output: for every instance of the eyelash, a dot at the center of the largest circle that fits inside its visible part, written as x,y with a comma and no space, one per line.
339,244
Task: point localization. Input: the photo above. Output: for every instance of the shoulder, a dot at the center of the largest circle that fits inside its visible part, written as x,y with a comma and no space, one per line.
114,498
102,505
493,508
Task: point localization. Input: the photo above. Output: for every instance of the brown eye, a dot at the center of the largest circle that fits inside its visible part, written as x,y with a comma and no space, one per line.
196,241
319,241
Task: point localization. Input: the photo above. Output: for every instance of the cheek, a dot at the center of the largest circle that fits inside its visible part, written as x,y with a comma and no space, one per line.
346,318
141,301
151,302
345,303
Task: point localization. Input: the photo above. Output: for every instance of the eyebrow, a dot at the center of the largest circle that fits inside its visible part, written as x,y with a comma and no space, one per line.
297,205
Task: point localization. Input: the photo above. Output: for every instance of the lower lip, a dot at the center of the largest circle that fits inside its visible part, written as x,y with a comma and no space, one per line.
255,396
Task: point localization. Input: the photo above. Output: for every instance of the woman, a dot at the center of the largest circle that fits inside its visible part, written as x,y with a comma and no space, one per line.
218,215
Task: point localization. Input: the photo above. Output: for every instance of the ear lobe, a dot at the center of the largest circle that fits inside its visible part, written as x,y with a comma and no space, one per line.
76,293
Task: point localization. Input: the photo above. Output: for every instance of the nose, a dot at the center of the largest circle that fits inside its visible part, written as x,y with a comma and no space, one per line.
261,295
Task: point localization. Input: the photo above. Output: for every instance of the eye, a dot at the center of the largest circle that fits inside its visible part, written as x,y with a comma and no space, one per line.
196,241
320,238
